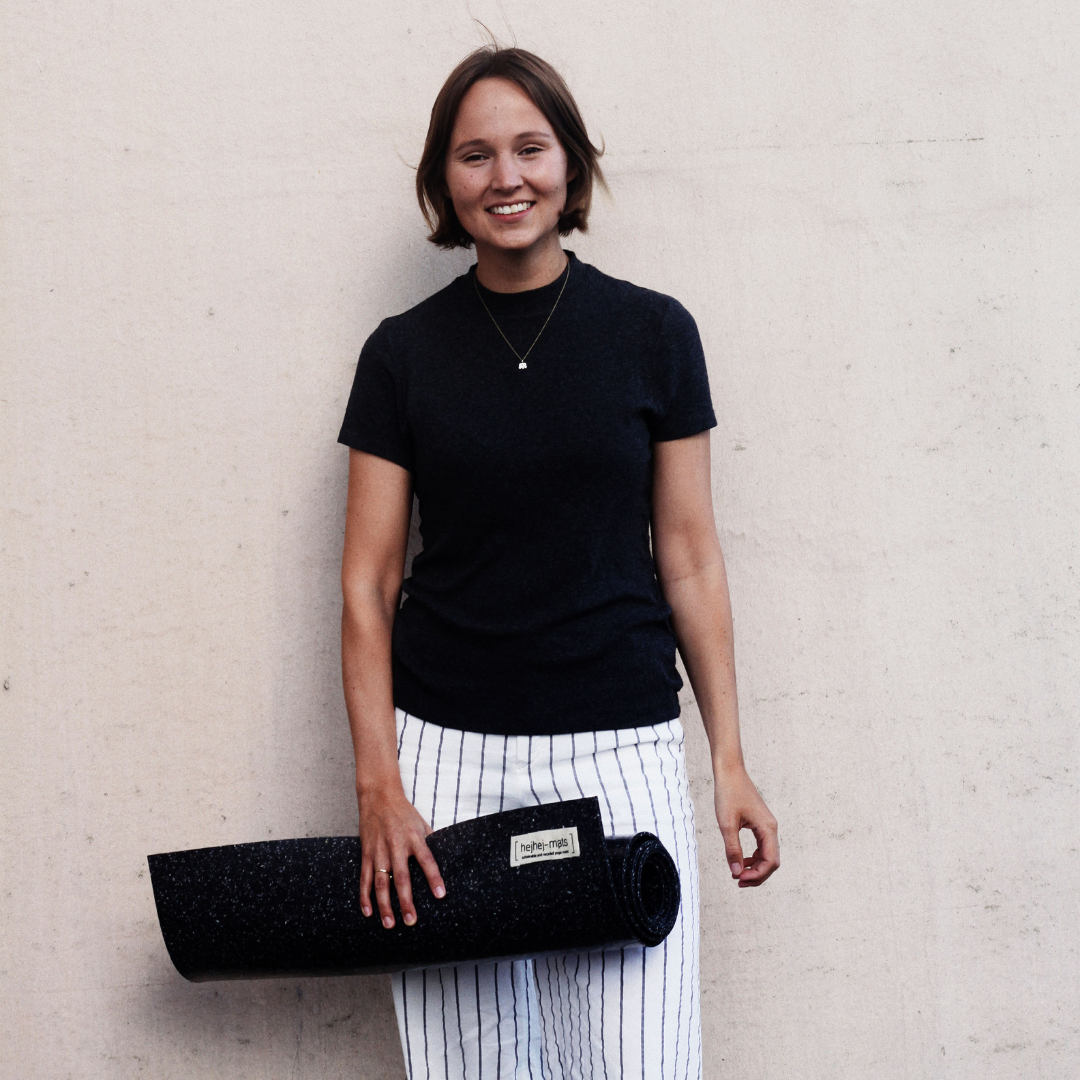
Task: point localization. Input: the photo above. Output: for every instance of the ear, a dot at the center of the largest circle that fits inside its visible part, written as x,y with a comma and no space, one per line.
572,171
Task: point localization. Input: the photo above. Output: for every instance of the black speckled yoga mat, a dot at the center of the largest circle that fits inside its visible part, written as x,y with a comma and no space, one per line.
291,907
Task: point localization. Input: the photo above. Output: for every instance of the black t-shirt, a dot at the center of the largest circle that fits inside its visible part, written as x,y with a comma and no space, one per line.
533,608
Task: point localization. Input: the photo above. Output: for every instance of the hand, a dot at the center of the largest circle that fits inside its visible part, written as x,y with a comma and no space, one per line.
391,829
739,806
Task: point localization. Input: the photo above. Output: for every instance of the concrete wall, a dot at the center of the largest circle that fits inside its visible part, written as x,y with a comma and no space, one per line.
872,210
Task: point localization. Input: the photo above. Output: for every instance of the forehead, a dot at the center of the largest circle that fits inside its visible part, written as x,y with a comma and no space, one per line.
496,107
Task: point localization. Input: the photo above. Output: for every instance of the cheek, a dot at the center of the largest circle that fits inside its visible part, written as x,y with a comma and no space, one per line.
462,188
560,177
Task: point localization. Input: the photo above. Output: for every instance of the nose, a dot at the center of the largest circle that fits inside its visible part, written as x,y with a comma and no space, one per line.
506,175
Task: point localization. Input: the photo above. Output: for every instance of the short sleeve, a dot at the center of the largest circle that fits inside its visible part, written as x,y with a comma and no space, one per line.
683,401
376,417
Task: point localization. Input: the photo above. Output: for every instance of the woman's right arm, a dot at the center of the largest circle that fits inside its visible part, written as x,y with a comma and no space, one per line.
372,568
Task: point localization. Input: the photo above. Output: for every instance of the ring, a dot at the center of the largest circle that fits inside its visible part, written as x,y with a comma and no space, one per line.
378,870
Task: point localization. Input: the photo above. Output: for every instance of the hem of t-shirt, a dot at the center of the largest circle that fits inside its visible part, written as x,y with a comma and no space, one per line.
686,429
489,721
356,441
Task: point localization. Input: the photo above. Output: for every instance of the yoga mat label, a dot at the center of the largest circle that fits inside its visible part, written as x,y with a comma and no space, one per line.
544,846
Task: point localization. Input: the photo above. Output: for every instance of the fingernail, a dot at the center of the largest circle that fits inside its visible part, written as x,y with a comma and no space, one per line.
410,918
440,892
387,922
736,869
366,911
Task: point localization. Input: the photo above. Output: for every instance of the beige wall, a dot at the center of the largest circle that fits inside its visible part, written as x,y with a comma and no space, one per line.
871,209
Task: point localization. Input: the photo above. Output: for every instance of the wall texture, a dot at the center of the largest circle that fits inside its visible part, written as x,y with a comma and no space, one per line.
872,210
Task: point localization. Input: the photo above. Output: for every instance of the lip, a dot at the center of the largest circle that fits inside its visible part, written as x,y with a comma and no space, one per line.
509,217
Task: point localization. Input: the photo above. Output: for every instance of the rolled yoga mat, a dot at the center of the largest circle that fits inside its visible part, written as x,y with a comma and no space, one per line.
537,881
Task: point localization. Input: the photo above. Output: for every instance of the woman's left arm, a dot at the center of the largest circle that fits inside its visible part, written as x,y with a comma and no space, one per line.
690,569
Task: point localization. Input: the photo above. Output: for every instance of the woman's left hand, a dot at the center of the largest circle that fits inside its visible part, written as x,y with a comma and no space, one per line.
740,806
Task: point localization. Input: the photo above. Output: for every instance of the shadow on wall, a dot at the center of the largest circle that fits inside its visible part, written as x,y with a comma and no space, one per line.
273,1027
408,269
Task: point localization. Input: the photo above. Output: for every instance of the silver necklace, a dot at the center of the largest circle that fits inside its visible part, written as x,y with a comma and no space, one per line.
521,359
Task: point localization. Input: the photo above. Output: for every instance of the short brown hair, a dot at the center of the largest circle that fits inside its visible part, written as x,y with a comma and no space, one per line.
550,94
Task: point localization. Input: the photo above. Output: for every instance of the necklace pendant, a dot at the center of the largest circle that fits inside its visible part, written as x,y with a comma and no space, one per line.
521,359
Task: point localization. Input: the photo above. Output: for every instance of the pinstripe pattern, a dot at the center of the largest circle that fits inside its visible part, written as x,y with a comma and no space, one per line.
623,1013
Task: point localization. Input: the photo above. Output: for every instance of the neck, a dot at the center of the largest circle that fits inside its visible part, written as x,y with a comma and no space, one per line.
515,271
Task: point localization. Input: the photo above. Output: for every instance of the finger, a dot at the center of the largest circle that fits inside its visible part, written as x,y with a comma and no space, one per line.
768,846
382,892
752,871
403,886
764,861
365,885
770,849
754,875
729,830
431,870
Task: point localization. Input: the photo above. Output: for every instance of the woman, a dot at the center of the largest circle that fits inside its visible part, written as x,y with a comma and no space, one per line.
547,417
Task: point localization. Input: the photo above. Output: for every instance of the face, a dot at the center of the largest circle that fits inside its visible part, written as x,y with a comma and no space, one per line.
505,169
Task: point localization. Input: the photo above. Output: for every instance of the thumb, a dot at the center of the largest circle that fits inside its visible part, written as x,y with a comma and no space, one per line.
732,846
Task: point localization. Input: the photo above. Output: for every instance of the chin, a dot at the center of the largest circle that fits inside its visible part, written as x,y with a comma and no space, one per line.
517,241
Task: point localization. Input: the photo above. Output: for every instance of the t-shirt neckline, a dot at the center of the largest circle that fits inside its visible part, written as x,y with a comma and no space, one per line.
530,301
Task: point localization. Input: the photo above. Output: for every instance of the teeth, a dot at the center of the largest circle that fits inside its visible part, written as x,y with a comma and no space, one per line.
513,208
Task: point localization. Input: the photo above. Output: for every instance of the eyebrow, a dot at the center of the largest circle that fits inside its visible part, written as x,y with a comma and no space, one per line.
524,135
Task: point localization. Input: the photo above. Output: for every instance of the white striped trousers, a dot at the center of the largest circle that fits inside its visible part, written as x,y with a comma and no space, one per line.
620,1014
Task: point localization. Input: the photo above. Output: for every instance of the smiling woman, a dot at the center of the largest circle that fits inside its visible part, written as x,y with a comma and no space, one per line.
506,174
569,549
499,108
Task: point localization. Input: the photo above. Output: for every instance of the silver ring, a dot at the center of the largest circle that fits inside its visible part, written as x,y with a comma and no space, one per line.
378,870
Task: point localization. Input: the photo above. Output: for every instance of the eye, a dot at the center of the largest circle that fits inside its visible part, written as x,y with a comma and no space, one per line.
474,157
531,150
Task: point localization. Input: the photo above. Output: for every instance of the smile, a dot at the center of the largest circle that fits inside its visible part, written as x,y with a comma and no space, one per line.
510,208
